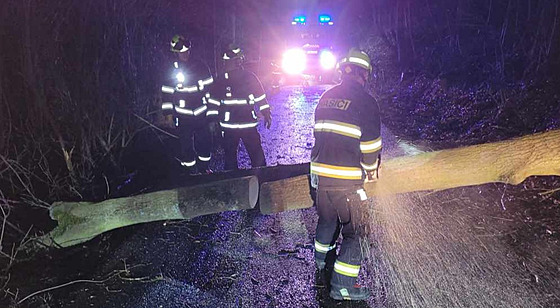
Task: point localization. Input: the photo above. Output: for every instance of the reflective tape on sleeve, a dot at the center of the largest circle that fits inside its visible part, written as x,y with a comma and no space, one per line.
188,89
346,269
184,111
369,167
260,98
200,110
167,106
226,116
212,112
263,107
371,146
206,81
168,90
340,128
213,101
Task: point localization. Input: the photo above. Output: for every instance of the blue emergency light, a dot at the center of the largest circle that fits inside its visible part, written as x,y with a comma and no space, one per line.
299,20
324,18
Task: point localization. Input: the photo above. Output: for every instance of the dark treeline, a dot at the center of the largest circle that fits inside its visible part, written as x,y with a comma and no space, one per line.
79,79
466,71
470,41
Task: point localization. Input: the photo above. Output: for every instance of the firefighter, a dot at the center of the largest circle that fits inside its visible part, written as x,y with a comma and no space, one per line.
238,95
345,155
184,102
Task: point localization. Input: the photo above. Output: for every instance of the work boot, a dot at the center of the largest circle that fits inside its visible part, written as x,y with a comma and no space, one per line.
192,170
321,279
354,293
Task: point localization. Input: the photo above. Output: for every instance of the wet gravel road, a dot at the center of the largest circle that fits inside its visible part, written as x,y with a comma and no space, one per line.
419,256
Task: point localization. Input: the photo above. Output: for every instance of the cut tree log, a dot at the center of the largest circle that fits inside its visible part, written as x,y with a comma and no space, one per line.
509,162
81,221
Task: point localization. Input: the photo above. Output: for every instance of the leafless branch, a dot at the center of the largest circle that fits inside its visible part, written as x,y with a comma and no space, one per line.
155,127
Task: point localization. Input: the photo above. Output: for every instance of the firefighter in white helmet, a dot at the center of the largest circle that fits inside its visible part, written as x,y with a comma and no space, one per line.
346,153
184,102
239,96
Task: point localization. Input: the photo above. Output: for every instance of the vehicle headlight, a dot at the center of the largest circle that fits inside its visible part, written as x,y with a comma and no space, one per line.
294,61
180,77
327,59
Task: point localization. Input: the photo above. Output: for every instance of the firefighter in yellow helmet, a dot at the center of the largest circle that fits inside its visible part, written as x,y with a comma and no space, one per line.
346,153
239,96
183,99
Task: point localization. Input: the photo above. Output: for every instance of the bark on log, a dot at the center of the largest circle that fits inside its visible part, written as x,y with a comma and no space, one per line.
81,221
510,162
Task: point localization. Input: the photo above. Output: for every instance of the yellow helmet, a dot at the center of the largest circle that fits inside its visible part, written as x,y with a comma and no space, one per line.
180,44
355,57
233,51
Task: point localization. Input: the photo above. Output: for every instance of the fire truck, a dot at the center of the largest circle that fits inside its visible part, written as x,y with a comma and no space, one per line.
308,56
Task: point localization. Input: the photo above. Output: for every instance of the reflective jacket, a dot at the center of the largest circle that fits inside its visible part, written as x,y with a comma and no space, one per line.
183,93
347,136
236,95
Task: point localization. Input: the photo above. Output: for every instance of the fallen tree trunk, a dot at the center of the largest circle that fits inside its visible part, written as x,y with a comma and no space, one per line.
81,221
510,162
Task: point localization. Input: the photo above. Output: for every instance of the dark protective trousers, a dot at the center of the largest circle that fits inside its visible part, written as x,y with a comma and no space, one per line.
339,211
195,139
252,141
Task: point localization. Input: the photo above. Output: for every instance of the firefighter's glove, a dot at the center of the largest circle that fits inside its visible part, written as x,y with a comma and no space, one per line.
267,120
373,175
